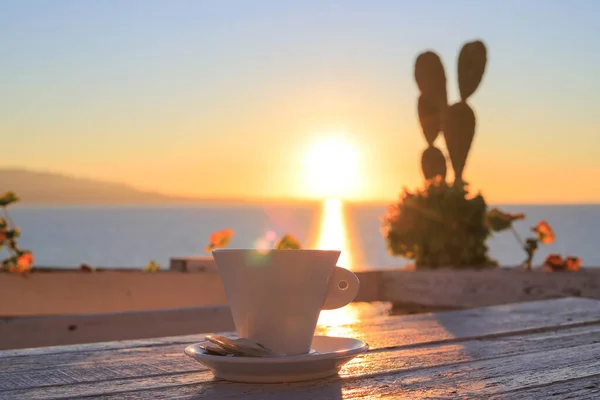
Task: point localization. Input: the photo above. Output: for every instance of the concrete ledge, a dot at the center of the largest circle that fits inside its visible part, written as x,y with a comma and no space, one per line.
468,288
60,293
450,289
75,293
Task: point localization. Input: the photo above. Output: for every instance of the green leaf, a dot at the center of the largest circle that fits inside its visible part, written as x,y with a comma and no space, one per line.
439,225
8,198
9,261
499,221
13,234
288,242
531,245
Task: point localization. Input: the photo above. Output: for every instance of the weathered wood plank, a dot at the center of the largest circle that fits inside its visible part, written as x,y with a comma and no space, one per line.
384,332
445,326
586,388
73,329
96,347
165,368
168,358
579,389
481,322
164,353
26,332
464,379
159,363
381,332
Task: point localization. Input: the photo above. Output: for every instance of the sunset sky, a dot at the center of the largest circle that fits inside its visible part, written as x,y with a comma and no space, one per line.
249,98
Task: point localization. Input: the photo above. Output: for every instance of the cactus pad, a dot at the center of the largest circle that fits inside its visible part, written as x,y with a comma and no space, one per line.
430,75
433,163
471,66
459,131
430,116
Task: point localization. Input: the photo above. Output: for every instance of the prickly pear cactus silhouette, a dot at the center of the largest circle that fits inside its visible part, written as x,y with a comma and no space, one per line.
456,122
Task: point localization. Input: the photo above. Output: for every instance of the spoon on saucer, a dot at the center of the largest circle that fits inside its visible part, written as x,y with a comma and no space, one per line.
224,346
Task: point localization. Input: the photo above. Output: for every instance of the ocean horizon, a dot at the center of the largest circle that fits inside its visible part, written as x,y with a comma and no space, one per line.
129,236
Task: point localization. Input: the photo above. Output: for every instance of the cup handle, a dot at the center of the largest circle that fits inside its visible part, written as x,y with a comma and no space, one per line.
343,288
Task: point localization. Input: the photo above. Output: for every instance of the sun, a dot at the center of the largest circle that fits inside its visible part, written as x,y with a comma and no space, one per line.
332,168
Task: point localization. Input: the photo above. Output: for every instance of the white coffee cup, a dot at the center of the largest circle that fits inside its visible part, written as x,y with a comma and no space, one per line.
276,296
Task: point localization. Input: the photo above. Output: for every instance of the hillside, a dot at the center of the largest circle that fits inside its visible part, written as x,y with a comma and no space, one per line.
45,187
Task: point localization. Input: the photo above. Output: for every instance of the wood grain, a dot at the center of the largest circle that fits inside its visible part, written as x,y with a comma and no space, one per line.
468,379
73,329
401,330
511,350
121,365
580,389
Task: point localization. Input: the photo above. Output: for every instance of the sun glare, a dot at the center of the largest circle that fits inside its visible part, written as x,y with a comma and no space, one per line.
332,168
333,233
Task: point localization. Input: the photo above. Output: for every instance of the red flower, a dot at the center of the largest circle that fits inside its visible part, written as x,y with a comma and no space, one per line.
573,263
218,239
23,264
544,232
25,260
554,262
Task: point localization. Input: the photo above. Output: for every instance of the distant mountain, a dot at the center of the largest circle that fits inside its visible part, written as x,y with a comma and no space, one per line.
45,187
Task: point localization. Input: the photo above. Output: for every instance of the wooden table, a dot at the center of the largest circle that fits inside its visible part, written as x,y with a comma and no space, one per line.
530,350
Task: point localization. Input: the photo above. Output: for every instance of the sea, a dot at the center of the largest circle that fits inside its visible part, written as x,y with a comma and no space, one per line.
131,236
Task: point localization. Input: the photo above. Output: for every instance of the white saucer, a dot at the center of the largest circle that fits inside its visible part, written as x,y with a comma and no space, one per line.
330,353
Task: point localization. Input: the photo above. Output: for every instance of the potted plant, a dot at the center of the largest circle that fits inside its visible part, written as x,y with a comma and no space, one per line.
442,224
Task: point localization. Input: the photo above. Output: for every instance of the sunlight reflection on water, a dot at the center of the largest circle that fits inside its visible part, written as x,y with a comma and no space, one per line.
333,232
